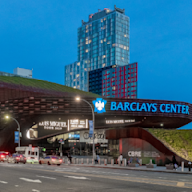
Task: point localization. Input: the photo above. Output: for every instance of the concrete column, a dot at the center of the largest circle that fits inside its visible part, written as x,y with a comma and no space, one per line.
112,161
182,166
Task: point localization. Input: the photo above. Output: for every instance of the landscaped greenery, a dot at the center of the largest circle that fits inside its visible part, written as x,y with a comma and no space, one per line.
43,85
179,141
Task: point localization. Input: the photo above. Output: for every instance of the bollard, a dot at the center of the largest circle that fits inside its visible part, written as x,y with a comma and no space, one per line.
81,160
93,162
105,161
112,161
124,162
140,162
182,166
150,162
189,164
87,161
99,161
77,161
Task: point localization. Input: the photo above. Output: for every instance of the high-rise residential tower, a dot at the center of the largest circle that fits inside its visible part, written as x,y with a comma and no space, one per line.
103,41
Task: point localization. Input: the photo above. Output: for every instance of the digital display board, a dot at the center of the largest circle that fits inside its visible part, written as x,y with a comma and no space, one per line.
77,124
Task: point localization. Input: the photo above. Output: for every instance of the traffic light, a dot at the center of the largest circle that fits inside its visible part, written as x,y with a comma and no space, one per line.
44,149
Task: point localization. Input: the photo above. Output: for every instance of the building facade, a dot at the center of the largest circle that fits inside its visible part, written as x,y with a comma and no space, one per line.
18,72
23,72
120,82
103,41
114,81
121,125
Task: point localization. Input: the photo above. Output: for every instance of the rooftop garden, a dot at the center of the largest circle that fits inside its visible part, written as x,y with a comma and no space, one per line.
43,85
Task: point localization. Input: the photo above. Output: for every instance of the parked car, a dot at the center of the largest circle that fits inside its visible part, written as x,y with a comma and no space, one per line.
4,156
51,160
17,158
32,160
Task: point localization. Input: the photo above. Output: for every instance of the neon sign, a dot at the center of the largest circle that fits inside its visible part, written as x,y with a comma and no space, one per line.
99,104
150,107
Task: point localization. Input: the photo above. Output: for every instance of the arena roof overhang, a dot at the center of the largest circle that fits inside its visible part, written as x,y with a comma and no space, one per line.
110,112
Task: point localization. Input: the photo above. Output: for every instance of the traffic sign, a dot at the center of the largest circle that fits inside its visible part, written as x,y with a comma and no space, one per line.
16,136
61,141
90,127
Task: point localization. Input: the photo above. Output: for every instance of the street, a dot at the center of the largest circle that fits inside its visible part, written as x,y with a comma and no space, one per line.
41,178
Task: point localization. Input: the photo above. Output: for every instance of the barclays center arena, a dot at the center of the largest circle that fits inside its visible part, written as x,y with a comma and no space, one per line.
51,118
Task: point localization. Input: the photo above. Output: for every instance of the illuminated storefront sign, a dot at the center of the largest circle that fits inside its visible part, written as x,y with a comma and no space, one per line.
77,124
77,136
99,137
143,153
150,107
134,153
121,121
99,105
53,125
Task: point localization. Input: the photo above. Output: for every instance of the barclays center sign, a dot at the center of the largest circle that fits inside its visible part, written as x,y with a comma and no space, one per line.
100,103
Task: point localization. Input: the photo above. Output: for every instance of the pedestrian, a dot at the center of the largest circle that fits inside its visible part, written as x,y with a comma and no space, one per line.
175,166
69,157
95,157
120,159
98,158
130,161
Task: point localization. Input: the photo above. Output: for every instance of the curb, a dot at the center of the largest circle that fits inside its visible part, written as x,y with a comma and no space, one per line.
162,171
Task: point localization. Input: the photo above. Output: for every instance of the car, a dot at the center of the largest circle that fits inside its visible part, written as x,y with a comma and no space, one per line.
51,160
17,158
4,156
32,160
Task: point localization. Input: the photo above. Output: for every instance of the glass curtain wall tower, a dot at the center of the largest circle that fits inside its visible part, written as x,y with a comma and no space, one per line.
102,41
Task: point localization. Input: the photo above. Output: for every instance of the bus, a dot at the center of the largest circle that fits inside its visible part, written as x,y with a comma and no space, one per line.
28,151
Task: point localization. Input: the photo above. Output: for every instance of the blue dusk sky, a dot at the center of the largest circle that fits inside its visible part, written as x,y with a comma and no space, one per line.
42,35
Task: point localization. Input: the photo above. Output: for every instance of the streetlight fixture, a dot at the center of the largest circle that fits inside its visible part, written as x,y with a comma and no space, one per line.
93,117
7,117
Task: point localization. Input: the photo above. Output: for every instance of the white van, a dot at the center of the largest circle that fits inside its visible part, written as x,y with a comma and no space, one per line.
29,152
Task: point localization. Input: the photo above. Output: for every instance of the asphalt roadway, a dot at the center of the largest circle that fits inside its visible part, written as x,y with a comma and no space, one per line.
45,178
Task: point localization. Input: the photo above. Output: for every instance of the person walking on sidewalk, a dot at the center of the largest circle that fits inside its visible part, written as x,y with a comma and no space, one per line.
120,159
174,161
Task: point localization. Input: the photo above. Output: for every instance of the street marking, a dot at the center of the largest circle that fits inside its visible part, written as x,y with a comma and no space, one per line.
169,183
180,184
74,177
46,177
35,190
183,180
4,182
30,180
16,185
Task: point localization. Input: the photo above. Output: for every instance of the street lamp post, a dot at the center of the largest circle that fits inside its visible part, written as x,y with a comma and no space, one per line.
93,117
7,117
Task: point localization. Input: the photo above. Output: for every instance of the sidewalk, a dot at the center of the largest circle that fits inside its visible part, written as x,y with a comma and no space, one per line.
140,168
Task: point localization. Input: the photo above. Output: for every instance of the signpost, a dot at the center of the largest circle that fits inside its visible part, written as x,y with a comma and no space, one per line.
61,141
